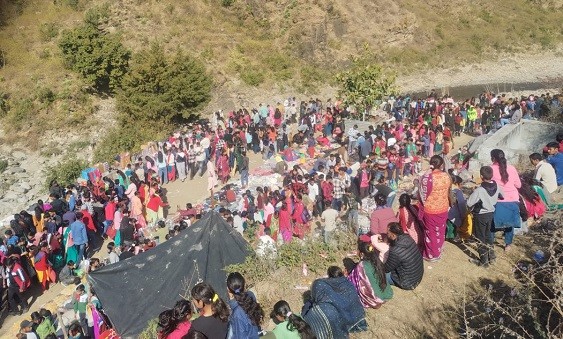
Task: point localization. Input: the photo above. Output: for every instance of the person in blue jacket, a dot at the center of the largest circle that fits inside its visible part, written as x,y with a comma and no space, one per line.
246,313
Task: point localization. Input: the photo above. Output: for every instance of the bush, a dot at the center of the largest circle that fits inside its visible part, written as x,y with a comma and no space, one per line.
98,56
126,138
96,16
3,165
48,31
4,105
45,95
227,3
21,113
252,76
66,172
151,331
161,89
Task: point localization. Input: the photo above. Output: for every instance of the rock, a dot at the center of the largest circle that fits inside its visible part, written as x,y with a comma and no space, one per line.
10,196
25,185
22,200
19,189
14,170
19,155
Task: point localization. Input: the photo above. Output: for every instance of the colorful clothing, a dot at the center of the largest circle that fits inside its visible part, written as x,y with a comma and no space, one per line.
365,279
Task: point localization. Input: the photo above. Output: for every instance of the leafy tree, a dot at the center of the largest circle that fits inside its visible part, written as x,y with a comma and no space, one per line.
98,56
365,83
161,89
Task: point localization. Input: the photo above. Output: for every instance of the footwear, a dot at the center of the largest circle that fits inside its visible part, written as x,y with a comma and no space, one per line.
507,248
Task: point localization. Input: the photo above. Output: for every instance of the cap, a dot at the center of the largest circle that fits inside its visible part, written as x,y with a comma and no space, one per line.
26,323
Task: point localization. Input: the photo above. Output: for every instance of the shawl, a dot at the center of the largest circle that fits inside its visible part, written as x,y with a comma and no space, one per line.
358,277
334,309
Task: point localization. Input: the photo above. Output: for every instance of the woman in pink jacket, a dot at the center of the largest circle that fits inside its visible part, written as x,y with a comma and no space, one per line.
507,211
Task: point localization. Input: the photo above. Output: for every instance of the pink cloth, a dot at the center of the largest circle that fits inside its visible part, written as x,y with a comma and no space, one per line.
180,331
510,188
360,280
380,218
434,234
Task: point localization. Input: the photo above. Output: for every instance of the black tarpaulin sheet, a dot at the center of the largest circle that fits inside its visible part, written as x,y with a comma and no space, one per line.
136,290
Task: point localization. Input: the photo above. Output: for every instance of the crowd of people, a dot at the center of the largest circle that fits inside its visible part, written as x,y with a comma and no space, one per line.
331,174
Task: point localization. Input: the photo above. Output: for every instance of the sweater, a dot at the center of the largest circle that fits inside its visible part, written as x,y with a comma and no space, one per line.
510,188
405,263
485,197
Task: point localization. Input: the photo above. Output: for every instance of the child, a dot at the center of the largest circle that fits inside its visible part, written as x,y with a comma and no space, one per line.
483,201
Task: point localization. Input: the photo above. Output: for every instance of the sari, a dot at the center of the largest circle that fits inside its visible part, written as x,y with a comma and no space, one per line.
365,280
71,253
433,210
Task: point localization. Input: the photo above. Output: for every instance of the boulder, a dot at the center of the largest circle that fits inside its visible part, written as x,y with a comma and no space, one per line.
19,189
25,185
19,155
16,169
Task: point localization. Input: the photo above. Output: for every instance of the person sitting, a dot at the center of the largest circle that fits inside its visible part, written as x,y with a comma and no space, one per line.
288,324
43,326
381,216
333,308
404,267
67,275
368,276
266,245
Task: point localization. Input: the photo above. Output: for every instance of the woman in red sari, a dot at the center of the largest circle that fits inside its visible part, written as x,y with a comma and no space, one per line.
434,204
300,226
285,222
223,168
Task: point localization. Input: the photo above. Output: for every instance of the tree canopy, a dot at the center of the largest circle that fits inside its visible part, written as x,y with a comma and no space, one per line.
98,56
365,83
163,89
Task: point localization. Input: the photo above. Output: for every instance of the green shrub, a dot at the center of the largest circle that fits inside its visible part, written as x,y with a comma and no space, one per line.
48,31
98,56
98,15
161,89
128,138
21,113
252,76
66,172
3,165
227,3
45,95
4,104
151,331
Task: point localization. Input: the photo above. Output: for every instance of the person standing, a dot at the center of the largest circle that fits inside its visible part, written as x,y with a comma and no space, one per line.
244,170
433,197
507,211
483,201
17,282
555,159
79,237
329,218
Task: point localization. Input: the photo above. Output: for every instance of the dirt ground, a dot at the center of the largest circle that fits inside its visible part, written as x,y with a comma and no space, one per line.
424,312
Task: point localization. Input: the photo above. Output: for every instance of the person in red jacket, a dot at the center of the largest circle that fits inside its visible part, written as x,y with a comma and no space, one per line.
17,282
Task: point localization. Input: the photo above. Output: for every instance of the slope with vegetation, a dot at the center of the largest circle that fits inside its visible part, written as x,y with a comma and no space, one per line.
62,61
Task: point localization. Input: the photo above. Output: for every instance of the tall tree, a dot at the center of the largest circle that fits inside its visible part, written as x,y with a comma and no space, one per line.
163,89
365,82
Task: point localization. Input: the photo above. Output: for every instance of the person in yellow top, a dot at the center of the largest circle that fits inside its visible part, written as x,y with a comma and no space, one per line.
38,219
471,117
434,191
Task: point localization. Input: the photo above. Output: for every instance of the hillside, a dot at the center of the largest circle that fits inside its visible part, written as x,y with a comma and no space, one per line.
252,48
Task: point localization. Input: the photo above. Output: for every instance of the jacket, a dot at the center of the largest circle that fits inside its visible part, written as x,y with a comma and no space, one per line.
19,277
485,197
405,263
240,325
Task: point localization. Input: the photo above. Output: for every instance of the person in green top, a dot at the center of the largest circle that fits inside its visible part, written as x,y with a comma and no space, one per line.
80,301
368,277
288,324
43,326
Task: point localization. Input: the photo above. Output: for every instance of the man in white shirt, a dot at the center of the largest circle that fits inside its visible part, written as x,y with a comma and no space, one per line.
266,246
544,172
329,217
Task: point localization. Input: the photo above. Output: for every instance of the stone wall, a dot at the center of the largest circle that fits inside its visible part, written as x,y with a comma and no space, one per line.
517,141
